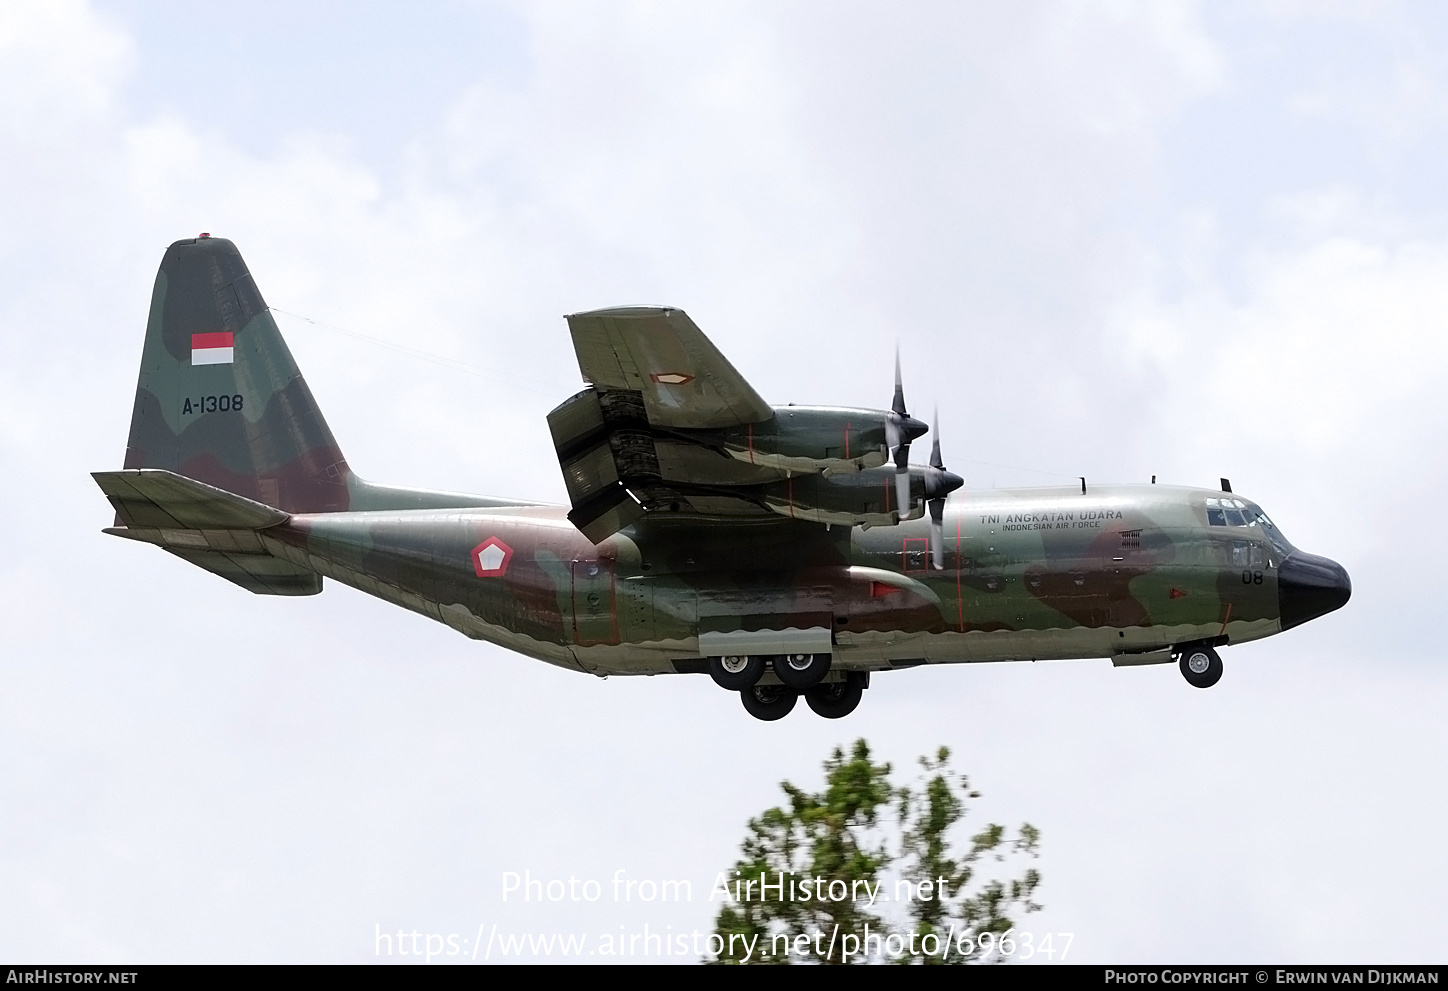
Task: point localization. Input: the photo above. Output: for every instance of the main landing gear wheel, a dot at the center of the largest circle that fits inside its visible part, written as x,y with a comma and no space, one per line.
801,671
1201,667
769,702
735,672
836,699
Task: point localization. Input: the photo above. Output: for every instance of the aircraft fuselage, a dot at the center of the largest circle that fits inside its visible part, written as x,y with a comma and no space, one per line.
1120,571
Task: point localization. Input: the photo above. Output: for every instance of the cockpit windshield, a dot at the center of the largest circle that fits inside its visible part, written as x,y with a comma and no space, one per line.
1231,511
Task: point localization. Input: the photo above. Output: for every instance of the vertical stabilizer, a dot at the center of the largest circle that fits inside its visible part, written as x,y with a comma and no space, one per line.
220,399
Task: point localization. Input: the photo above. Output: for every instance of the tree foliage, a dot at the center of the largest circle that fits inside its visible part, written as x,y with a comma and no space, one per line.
819,875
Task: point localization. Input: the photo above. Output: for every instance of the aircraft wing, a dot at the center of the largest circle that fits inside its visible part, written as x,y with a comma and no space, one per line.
629,444
659,354
669,427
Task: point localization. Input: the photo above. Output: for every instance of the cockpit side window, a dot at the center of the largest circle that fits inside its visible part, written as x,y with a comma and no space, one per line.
1223,511
1259,519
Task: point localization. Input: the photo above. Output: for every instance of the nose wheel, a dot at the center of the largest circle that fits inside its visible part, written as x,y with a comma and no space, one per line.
1201,667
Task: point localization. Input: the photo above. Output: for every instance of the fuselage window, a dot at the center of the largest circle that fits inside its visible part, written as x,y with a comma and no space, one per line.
1215,517
1247,554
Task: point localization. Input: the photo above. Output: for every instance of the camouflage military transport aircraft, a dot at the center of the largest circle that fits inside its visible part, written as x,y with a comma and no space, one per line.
783,550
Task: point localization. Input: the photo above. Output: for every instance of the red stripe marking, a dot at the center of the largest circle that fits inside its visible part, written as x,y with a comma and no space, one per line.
959,602
219,339
613,601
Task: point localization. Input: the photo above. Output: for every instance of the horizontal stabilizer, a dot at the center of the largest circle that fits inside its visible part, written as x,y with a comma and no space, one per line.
206,526
154,497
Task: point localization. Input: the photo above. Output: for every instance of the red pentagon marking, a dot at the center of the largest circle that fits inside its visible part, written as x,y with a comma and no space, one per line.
491,557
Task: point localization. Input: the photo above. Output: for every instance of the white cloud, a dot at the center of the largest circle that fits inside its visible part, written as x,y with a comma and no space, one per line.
205,774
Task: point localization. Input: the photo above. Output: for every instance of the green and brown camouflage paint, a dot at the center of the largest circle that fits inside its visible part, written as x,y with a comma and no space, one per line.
1126,572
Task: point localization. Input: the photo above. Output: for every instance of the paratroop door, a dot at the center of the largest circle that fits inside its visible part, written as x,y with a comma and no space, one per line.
595,619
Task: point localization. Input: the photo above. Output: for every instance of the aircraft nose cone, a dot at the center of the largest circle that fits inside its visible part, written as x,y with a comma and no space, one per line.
1309,586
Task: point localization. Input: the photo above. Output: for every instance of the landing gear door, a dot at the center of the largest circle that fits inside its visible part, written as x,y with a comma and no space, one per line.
595,613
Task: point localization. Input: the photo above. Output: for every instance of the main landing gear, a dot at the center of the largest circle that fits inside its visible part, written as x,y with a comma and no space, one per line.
798,674
1201,666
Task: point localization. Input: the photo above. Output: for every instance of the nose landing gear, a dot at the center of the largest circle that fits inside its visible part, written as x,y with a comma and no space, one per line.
1201,666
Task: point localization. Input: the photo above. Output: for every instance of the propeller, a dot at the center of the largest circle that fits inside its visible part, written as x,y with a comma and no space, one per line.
939,483
900,429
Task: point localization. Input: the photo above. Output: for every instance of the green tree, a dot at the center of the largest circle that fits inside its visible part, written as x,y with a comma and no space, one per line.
819,843
810,886
974,921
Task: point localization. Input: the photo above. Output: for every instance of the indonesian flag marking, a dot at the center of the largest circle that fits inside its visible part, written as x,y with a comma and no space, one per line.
211,349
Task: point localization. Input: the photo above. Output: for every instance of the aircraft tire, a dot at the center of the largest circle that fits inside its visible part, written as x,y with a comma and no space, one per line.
736,672
768,702
801,671
1201,667
836,699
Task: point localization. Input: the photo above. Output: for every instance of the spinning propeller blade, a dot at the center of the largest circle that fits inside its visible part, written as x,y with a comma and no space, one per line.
939,483
900,429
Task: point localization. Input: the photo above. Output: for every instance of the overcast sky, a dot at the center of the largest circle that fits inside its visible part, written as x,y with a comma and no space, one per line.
1111,239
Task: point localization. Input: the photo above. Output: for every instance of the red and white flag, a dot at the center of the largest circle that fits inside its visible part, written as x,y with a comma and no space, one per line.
211,349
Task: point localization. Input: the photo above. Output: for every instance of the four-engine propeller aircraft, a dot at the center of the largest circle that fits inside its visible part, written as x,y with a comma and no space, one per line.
785,551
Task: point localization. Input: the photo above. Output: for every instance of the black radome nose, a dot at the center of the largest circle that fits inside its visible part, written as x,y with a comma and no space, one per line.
1309,586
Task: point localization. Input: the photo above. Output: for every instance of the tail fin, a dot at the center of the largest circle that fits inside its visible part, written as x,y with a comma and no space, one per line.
220,399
